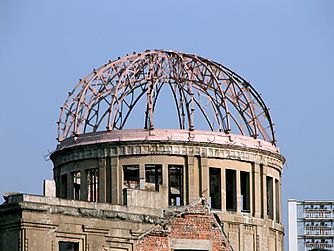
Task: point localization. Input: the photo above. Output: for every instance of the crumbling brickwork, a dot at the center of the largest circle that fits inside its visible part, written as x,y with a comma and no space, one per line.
195,226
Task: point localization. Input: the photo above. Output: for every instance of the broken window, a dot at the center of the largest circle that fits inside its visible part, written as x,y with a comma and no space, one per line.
153,176
277,200
175,175
270,199
244,189
231,190
76,185
63,186
131,176
215,187
68,246
93,185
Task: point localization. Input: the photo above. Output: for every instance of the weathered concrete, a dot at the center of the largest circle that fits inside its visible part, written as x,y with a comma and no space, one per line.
39,223
49,188
122,215
196,154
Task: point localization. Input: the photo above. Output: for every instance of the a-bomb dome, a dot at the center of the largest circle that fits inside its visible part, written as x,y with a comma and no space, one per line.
104,100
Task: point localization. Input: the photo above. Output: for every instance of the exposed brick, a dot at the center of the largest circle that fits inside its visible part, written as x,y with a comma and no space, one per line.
196,222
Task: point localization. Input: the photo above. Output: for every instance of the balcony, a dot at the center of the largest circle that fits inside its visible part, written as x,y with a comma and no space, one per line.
319,231
318,214
327,246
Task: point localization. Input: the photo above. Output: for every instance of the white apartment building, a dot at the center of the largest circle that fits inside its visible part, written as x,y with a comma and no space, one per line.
311,225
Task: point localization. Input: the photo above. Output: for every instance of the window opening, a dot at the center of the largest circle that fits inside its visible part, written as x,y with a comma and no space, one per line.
215,187
64,186
270,201
76,185
277,200
262,197
153,177
175,174
93,185
68,246
125,196
231,190
244,189
131,176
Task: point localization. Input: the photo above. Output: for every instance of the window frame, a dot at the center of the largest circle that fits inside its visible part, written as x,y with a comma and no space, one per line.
157,174
180,187
129,180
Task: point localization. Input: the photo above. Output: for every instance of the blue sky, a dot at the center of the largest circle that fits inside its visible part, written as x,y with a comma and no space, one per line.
285,49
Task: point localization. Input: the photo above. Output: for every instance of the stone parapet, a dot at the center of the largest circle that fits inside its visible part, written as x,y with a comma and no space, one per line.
80,208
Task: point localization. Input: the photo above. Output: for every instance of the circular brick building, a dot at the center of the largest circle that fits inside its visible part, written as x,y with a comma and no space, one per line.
112,150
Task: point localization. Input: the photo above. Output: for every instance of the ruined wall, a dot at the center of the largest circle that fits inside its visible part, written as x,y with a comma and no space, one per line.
196,228
252,228
41,223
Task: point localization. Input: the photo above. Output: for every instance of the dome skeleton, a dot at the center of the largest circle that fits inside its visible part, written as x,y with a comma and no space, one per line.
105,98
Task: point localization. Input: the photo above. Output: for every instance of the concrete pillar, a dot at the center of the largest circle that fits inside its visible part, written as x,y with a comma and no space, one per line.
241,240
165,185
120,180
250,187
204,177
264,191
191,195
223,188
277,241
49,188
257,191
102,179
141,176
116,181
280,198
165,176
83,185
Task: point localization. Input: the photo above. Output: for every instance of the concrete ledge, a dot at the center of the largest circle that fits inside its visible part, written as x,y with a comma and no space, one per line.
170,135
81,208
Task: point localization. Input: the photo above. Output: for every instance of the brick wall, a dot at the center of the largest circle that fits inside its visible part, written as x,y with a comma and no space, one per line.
194,223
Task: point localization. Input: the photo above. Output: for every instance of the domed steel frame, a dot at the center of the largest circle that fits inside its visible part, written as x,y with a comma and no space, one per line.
105,98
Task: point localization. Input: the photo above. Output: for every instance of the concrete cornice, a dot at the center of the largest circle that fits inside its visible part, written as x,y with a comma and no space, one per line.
101,149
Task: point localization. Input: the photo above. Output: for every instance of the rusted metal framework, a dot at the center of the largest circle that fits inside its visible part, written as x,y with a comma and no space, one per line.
105,98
